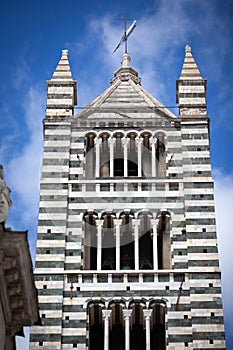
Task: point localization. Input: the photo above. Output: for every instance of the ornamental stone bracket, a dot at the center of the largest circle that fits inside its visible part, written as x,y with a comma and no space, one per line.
18,295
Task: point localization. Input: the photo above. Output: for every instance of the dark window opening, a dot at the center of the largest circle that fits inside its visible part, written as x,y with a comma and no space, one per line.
104,157
132,157
96,332
137,334
145,244
158,333
160,157
108,244
118,157
90,242
164,241
90,156
117,334
126,244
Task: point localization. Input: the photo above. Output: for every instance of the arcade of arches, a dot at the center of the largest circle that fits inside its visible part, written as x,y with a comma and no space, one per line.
127,243
123,156
136,328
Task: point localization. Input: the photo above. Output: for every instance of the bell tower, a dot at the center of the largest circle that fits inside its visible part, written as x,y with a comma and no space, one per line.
127,250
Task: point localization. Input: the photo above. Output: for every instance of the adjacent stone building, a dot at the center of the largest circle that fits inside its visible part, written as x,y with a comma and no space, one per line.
127,253
18,296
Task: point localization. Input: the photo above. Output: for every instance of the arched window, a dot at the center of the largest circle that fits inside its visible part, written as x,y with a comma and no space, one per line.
138,334
90,156
158,332
132,156
104,157
146,155
160,156
117,334
90,242
108,244
145,243
126,243
119,156
96,329
164,241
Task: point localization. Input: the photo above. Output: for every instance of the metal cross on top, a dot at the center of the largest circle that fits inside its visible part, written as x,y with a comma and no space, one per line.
126,33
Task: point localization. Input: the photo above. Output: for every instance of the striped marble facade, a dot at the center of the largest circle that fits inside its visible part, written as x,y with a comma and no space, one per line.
189,287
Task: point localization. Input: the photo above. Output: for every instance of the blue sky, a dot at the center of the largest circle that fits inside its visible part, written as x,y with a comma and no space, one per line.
33,33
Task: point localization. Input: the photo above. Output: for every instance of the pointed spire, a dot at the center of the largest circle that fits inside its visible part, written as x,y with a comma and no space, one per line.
190,69
63,72
61,90
191,88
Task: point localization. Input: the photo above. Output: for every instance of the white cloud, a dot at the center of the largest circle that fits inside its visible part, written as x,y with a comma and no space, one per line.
23,171
224,201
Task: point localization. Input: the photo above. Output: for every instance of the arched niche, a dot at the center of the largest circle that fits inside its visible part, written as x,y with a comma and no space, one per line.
90,241
96,328
127,246
158,327
108,243
137,334
145,242
164,241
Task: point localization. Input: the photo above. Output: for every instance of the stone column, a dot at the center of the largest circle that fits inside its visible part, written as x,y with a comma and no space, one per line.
117,223
139,141
111,142
125,142
153,142
127,314
154,223
136,223
97,156
99,224
106,315
147,316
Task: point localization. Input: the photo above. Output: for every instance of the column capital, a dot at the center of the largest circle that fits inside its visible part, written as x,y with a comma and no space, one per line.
127,314
106,313
139,140
111,140
154,222
117,222
99,222
153,140
136,222
125,141
97,141
147,314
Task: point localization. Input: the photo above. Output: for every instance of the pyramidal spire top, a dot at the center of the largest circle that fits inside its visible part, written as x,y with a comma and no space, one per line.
61,91
63,71
190,69
191,88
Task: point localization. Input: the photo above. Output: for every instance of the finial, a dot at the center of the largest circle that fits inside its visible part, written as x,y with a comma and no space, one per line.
65,52
188,49
125,61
